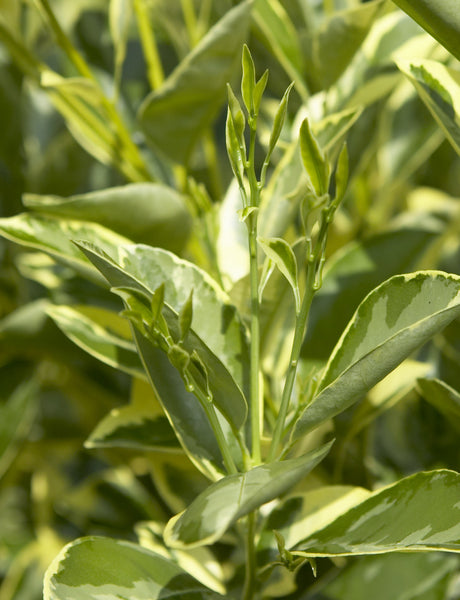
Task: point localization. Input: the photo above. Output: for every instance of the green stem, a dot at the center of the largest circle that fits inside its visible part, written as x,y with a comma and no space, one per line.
155,72
208,407
256,408
300,328
250,570
315,262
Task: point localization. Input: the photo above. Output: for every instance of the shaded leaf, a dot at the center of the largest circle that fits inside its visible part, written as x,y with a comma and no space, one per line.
97,331
393,321
439,88
103,567
281,253
178,113
420,512
223,503
144,212
443,397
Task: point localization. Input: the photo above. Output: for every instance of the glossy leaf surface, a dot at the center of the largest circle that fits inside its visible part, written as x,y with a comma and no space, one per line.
393,321
223,503
144,212
97,567
178,113
420,512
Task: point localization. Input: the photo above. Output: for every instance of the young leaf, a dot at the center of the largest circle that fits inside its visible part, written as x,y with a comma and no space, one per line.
393,321
419,512
157,302
248,81
278,122
281,253
236,157
185,316
259,91
234,496
341,176
314,161
101,567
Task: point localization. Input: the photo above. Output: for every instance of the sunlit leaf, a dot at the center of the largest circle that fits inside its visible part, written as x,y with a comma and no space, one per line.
393,321
223,503
103,567
419,512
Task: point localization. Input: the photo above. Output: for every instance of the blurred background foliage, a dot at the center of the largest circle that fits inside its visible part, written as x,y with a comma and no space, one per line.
111,93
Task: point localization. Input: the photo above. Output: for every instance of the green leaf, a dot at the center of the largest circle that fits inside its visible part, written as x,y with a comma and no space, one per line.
233,497
281,253
441,18
147,213
177,114
120,12
439,88
420,512
184,412
313,160
443,397
397,576
140,425
101,333
16,416
282,39
341,175
103,567
332,46
352,274
278,122
248,81
55,236
185,316
215,321
393,321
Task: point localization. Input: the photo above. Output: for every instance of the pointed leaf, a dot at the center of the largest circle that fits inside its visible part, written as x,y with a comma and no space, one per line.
420,512
352,273
185,316
215,321
441,18
393,321
147,213
97,567
178,113
248,81
54,237
223,503
281,253
439,88
95,332
313,159
279,121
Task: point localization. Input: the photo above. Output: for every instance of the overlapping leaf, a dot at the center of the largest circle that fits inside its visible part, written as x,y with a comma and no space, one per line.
439,88
105,568
145,212
178,113
420,512
223,503
393,321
